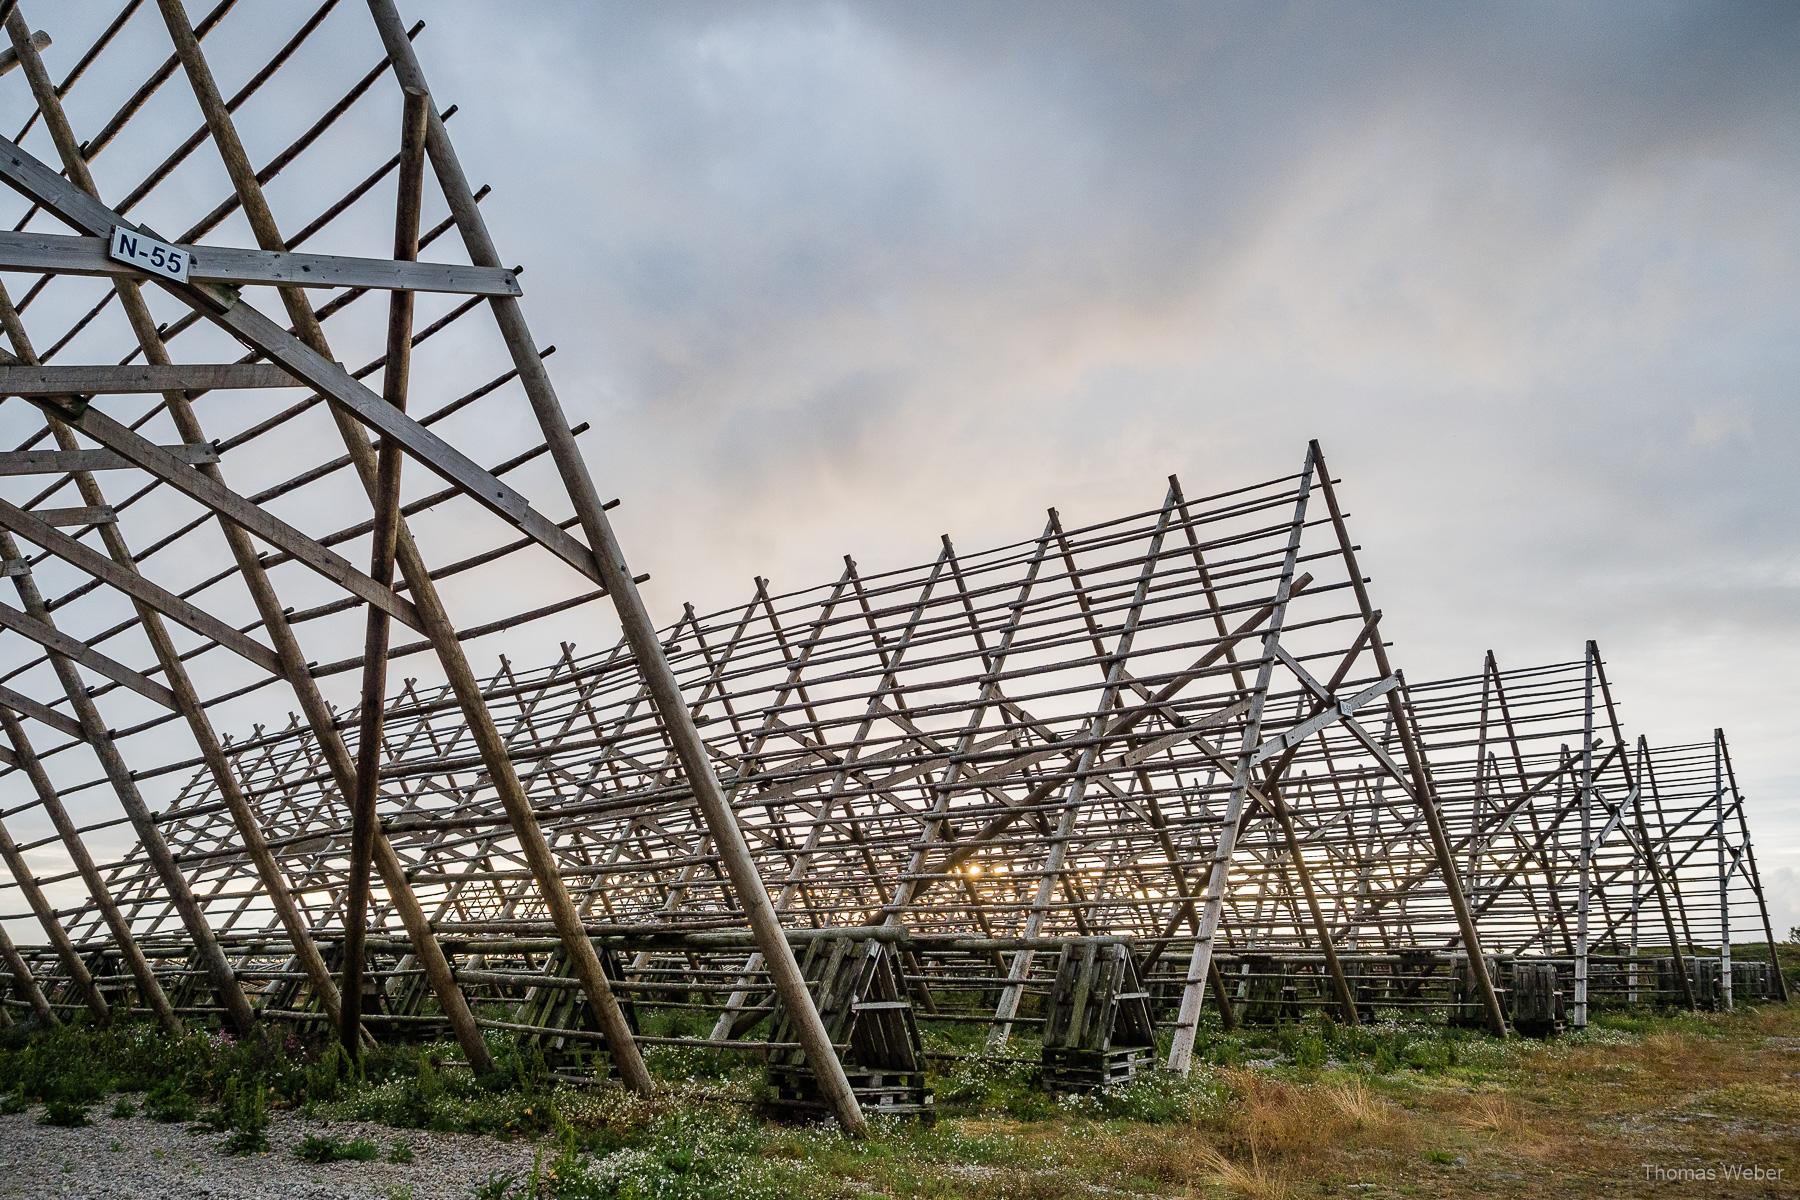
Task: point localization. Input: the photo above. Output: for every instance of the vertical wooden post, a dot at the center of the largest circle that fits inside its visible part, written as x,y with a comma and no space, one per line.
1724,869
383,537
1637,779
1584,798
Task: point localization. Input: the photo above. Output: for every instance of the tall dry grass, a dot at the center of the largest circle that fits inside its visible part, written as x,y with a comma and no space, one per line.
1270,1135
1253,1179
1273,1118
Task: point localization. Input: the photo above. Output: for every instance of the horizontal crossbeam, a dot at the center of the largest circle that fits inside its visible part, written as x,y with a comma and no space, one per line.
21,379
230,265
9,58
62,462
81,514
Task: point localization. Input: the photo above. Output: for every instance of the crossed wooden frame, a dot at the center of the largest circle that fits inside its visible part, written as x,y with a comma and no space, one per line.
214,294
1180,726
1100,772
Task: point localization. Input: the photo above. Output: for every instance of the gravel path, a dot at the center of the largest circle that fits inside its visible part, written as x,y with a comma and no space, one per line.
139,1159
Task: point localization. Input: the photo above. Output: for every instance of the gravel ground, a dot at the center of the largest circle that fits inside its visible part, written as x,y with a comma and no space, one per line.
140,1159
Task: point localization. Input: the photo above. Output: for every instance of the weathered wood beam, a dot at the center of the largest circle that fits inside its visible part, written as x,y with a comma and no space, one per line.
80,514
231,266
24,705
19,379
384,546
21,973
53,639
9,58
62,462
100,566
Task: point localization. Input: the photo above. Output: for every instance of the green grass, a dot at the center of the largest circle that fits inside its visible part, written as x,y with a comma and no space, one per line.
1425,1106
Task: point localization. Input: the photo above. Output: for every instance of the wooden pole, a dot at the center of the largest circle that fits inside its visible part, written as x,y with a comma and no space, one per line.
25,981
150,991
1584,798
46,916
381,569
1723,868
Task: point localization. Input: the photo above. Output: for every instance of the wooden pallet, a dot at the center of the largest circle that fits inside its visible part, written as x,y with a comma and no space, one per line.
1097,1027
1703,977
568,1008
1468,1010
857,986
1751,981
1536,1000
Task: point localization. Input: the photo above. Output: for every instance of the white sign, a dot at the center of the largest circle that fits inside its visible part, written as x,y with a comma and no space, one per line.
144,252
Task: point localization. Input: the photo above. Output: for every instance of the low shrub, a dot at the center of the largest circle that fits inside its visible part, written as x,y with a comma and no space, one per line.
1161,1097
69,1113
247,1109
319,1148
170,1103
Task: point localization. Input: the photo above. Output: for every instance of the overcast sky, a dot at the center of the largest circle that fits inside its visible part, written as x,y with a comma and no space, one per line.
837,278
